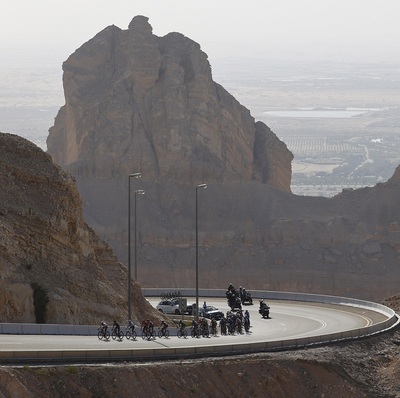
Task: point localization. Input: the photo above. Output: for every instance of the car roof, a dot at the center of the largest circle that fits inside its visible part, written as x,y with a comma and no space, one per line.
173,301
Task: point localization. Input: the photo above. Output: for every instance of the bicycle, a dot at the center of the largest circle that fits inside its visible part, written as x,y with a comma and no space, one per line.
148,334
115,334
213,331
239,326
130,333
205,332
163,333
103,334
182,332
194,331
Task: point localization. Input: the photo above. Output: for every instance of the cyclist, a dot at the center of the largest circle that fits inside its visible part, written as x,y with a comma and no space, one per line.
181,325
222,324
213,326
103,326
150,326
163,326
131,326
116,327
144,326
195,327
204,327
163,329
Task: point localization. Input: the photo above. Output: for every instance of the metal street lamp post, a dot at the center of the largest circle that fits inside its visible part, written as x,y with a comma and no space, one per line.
134,175
138,192
200,186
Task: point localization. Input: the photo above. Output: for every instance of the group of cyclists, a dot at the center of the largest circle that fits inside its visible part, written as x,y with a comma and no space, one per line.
235,322
116,331
147,330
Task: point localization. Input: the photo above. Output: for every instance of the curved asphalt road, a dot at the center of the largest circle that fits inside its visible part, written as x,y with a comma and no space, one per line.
289,320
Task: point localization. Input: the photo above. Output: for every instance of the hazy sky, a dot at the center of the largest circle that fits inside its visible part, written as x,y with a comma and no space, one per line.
352,30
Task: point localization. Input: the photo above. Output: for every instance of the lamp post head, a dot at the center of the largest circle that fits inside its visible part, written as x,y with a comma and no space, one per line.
201,186
135,175
140,192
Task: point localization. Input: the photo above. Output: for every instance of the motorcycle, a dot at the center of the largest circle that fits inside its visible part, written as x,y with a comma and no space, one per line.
264,311
246,298
233,298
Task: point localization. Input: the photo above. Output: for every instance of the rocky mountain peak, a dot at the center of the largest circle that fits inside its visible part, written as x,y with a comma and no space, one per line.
140,24
135,101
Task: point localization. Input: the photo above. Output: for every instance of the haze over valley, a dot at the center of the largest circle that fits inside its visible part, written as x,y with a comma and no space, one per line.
340,120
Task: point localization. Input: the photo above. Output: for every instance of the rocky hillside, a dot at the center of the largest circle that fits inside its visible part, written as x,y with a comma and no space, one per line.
53,267
136,102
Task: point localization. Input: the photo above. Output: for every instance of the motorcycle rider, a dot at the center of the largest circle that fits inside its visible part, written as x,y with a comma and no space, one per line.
264,308
262,304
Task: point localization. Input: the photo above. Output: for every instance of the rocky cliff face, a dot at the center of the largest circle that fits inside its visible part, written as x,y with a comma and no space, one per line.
47,248
138,102
135,101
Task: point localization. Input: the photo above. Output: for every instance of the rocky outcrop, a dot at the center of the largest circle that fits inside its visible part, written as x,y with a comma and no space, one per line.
135,101
47,250
138,102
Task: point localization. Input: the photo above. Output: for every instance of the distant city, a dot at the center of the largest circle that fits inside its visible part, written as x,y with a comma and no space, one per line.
341,121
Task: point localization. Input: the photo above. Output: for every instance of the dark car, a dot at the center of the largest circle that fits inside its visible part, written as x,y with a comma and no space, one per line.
211,312
189,310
